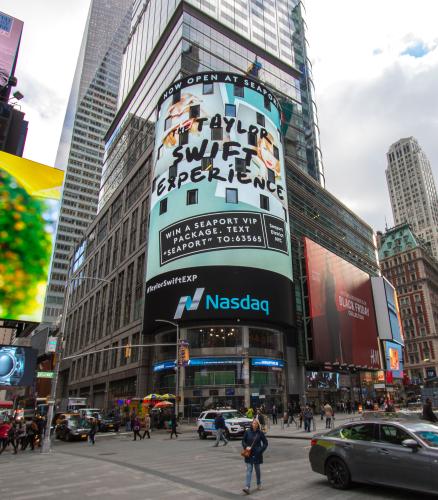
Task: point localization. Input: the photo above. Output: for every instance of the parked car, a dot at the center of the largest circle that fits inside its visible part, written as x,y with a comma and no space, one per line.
236,423
109,424
399,453
71,427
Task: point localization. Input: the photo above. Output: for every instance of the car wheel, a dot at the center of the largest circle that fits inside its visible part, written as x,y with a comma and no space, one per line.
202,434
338,474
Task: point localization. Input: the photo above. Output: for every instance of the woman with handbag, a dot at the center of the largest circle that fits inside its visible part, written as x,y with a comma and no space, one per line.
254,443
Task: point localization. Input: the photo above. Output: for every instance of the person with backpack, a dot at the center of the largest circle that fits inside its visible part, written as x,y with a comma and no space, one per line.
219,425
254,444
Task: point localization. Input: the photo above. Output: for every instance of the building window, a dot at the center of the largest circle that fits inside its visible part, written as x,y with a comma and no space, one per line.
163,206
230,110
195,111
264,202
260,119
267,103
271,176
168,123
192,197
252,139
239,91
231,195
206,163
183,137
276,152
207,88
173,171
176,97
239,164
217,134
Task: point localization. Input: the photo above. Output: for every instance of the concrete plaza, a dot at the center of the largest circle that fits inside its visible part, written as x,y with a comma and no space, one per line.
160,468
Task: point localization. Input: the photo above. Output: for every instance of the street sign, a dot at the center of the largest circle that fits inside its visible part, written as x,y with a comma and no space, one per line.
52,342
45,374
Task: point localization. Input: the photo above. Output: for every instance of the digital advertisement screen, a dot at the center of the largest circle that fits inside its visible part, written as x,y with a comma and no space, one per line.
219,241
10,35
28,212
341,309
394,359
322,380
394,312
17,366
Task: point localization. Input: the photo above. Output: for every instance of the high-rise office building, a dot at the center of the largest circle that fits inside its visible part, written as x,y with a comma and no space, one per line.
412,190
90,111
187,62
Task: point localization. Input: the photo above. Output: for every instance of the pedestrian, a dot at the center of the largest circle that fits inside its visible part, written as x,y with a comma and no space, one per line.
285,419
219,425
4,439
32,432
254,443
274,414
428,413
93,430
328,412
250,413
13,437
21,436
173,425
308,417
135,425
41,424
147,426
260,417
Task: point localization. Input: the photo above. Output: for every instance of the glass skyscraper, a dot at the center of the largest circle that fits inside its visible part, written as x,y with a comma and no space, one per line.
90,111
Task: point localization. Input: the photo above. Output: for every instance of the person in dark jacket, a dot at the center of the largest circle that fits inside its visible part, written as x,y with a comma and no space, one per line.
428,413
219,425
135,424
93,430
173,426
255,441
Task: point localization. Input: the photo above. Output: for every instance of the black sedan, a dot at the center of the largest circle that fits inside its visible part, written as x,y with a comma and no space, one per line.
398,453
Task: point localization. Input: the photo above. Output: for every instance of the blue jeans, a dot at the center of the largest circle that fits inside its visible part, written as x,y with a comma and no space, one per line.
307,422
249,468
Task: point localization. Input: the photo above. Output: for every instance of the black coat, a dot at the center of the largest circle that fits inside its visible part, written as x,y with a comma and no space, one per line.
428,413
259,444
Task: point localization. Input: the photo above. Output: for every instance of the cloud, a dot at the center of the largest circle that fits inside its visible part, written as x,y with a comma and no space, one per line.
360,120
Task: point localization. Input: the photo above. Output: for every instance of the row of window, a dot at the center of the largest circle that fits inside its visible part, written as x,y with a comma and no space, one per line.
231,196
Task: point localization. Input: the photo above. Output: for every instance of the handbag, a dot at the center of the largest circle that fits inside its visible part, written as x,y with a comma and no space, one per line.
245,453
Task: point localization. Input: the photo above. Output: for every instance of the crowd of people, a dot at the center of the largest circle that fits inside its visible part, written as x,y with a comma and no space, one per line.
17,435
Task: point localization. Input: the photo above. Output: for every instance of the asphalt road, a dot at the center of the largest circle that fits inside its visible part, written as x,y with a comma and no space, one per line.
160,468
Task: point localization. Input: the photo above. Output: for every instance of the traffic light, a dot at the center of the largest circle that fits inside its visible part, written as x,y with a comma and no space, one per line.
128,351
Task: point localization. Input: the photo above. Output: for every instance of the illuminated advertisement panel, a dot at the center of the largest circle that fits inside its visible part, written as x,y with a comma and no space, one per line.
10,35
219,242
386,309
341,309
394,359
17,365
28,212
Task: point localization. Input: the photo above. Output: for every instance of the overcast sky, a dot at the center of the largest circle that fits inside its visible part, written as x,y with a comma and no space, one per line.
375,65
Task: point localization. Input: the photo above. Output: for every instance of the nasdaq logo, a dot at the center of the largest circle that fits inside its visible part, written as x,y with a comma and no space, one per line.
189,303
245,303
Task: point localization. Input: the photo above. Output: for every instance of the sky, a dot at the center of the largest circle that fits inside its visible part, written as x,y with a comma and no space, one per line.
375,67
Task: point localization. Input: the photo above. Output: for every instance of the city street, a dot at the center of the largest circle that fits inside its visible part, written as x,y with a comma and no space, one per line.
160,468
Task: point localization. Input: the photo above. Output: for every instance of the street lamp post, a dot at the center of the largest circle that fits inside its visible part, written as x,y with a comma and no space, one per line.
173,323
59,347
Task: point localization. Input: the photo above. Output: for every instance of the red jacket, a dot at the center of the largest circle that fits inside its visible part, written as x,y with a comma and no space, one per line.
4,428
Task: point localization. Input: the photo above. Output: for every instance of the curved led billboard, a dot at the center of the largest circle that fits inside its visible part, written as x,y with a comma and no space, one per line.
219,243
344,327
17,365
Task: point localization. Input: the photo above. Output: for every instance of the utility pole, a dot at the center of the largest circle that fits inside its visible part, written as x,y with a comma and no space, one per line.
176,325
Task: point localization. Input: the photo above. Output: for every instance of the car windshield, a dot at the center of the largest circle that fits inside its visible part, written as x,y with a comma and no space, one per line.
232,414
429,437
77,422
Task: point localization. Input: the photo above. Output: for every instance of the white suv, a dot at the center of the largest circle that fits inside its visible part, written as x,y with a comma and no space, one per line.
235,423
